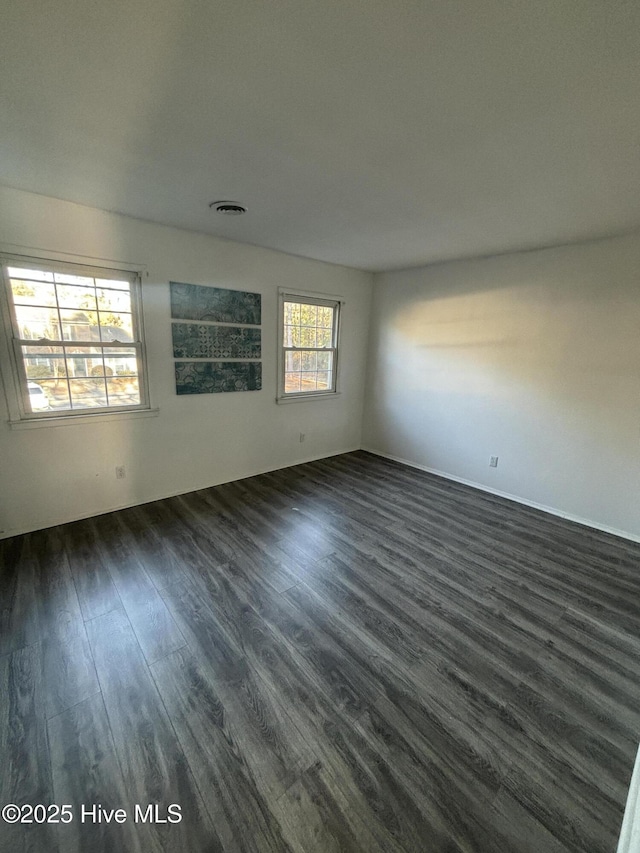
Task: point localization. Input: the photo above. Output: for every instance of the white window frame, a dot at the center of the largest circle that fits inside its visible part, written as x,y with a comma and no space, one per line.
309,298
13,367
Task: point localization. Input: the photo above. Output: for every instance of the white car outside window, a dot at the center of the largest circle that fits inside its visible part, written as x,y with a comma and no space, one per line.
37,398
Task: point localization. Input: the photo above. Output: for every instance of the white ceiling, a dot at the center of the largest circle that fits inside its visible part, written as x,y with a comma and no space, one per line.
379,134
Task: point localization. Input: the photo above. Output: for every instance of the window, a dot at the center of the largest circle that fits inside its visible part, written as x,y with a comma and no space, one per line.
309,346
76,339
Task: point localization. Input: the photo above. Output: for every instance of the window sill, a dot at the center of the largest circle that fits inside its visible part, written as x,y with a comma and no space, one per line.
303,398
68,420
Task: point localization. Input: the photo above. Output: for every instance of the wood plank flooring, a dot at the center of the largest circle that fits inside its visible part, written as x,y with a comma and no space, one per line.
348,655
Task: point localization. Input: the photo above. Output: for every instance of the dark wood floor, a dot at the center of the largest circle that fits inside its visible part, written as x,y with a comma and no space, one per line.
349,655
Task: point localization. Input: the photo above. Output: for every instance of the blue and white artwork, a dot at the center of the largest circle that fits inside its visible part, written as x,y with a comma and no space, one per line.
215,304
222,332
213,377
192,340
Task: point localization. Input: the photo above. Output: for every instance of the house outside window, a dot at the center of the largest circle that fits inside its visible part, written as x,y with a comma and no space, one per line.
76,339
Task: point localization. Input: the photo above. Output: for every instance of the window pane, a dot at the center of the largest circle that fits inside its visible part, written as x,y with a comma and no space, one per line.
32,292
36,323
88,393
79,325
97,362
70,296
324,381
325,317
293,338
292,313
308,315
34,275
292,382
114,300
116,327
57,392
123,391
324,338
292,361
43,362
325,360
123,362
308,360
85,365
307,336
308,381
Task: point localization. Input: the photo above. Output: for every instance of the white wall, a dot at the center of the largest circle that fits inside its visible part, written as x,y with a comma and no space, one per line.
54,474
533,357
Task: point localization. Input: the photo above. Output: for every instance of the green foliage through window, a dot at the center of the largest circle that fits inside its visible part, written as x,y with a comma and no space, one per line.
309,345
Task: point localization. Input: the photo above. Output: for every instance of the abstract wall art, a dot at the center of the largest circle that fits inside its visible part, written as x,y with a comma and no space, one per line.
212,377
200,341
215,354
195,302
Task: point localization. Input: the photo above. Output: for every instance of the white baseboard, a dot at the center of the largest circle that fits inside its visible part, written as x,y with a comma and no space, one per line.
630,833
54,522
587,522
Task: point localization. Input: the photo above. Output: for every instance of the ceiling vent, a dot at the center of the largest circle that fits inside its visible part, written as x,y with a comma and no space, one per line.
228,208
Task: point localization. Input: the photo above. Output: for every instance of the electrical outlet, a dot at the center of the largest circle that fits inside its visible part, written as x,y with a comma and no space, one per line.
121,472
302,437
493,462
